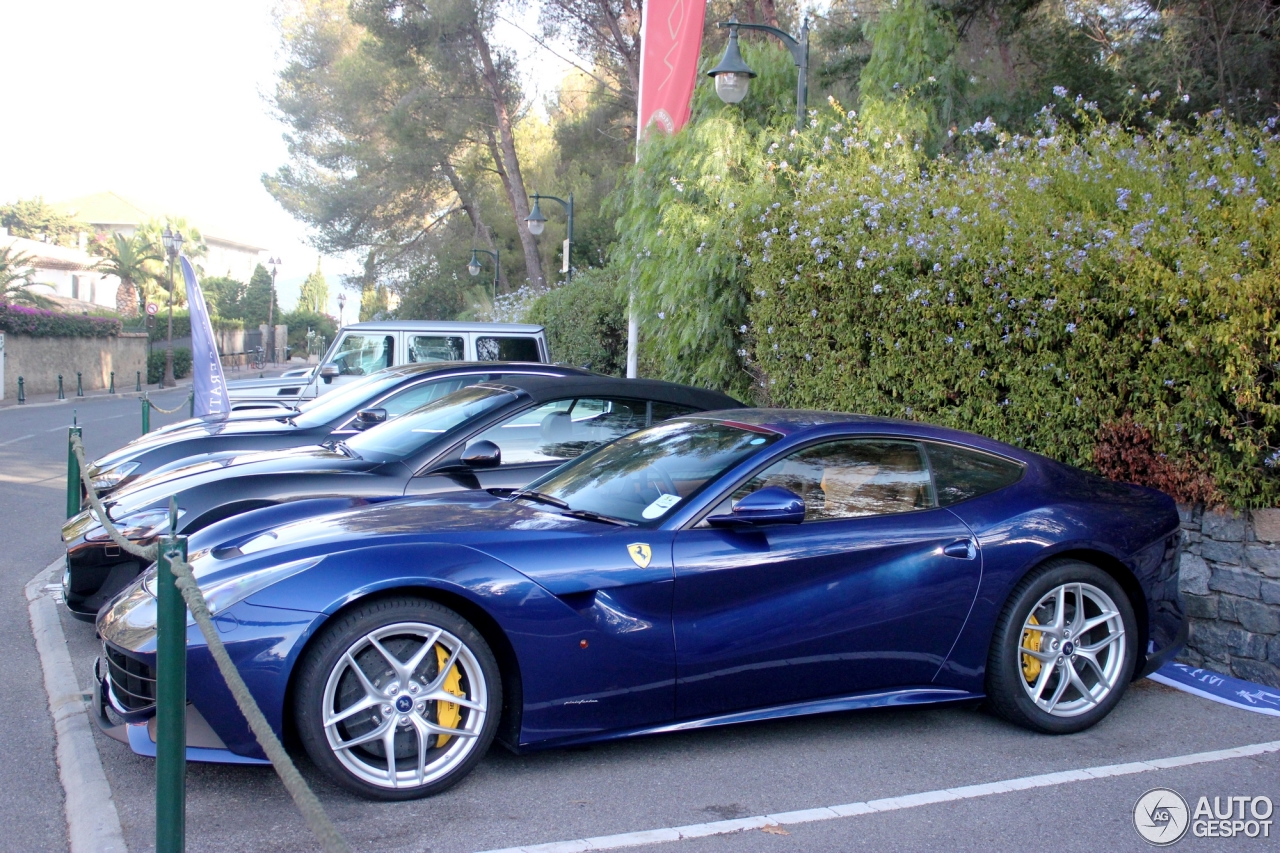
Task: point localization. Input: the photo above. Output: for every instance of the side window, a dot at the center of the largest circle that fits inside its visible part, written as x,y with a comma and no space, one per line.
423,348
489,348
408,399
962,474
359,355
665,411
849,479
564,429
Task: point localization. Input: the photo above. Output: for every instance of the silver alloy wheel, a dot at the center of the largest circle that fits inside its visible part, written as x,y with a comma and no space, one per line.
385,698
1072,649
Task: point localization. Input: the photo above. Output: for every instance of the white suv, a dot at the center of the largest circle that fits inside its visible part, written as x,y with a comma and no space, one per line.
363,348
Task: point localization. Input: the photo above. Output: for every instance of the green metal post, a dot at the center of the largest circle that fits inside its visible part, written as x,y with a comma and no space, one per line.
146,414
79,385
112,389
191,402
73,475
61,396
22,391
171,703
138,387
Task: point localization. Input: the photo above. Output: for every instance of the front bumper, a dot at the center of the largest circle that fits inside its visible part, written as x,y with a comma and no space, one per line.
138,728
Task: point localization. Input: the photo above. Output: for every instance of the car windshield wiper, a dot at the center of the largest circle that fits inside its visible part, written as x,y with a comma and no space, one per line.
539,497
345,448
588,515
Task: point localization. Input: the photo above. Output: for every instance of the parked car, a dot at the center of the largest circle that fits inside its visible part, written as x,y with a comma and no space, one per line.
385,394
491,435
713,569
363,348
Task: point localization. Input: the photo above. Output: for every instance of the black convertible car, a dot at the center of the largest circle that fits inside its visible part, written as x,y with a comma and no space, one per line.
491,435
383,395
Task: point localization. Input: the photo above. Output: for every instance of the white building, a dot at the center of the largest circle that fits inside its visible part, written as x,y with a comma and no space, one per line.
66,275
112,213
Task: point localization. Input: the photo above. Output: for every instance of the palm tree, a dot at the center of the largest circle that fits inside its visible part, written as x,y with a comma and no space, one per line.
15,280
126,258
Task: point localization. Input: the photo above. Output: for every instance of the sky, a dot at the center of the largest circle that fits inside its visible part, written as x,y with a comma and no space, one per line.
166,103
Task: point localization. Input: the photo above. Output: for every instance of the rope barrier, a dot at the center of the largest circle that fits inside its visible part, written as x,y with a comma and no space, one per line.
185,401
303,797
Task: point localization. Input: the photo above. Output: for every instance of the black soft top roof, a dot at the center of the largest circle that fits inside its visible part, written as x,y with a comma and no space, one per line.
416,368
546,388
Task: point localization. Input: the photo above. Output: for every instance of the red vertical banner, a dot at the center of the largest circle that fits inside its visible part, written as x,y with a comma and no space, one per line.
670,41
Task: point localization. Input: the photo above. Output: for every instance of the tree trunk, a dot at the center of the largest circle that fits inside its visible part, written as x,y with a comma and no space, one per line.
770,12
472,210
506,158
127,299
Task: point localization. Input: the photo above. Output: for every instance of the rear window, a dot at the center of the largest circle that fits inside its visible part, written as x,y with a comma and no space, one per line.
491,348
961,474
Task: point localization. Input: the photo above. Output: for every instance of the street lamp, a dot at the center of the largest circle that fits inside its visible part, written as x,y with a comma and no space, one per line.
172,241
271,307
733,75
537,222
342,303
473,266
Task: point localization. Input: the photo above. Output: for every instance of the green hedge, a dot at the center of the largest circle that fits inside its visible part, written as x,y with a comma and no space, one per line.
181,363
1106,297
38,323
586,322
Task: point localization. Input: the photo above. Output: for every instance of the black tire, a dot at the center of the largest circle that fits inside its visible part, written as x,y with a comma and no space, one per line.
1009,669
479,676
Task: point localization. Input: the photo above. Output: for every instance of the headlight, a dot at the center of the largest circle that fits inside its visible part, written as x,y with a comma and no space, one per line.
111,477
225,593
140,525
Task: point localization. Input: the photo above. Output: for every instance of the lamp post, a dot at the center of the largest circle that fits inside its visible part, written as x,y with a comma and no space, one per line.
342,304
473,266
274,263
537,222
733,75
172,241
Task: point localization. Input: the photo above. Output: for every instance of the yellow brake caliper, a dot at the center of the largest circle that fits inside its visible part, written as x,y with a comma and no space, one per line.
448,714
1031,640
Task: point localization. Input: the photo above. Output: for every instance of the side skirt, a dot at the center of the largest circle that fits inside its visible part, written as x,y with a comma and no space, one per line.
852,702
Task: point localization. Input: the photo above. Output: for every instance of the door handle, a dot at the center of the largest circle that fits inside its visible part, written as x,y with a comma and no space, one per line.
963,549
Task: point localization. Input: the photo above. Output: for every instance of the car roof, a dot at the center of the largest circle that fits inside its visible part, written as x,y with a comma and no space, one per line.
446,367
791,422
442,326
544,388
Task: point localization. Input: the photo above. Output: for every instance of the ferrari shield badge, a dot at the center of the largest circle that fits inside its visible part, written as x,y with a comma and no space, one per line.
641,554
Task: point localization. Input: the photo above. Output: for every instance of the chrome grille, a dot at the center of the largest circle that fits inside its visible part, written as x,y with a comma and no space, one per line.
133,683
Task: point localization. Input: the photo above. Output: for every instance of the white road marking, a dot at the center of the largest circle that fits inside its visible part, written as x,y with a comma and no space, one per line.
968,792
93,825
16,440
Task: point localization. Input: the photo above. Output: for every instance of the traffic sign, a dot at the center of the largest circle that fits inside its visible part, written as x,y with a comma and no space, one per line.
152,309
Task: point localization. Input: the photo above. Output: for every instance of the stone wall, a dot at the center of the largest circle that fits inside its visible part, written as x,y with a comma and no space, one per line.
39,361
1230,582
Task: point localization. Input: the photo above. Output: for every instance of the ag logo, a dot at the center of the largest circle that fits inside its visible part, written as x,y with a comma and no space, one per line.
642,554
1161,816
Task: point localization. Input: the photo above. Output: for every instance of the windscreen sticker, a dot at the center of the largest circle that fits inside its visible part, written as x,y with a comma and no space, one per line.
659,507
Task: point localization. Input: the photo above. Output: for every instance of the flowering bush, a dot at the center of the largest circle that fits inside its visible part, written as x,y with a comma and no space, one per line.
1046,290
38,323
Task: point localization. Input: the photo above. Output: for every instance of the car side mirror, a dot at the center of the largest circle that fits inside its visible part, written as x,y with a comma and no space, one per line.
770,505
328,372
366,418
482,454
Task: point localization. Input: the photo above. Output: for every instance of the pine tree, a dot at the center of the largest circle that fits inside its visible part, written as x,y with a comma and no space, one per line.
314,295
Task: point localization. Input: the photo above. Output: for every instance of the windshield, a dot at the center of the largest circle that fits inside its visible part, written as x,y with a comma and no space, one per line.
335,404
642,477
411,432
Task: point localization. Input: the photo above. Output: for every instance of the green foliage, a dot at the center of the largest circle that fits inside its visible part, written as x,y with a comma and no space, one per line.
431,294
15,280
38,323
256,305
373,303
1040,290
131,260
181,326
35,220
155,364
586,321
313,296
224,297
301,321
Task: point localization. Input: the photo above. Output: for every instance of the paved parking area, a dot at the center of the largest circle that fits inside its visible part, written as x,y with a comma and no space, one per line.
650,783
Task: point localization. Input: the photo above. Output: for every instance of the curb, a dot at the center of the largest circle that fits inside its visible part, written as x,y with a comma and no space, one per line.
93,825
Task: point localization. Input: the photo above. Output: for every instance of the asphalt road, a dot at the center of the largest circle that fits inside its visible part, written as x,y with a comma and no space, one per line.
649,783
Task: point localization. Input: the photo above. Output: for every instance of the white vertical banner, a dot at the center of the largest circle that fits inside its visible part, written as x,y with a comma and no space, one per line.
207,380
